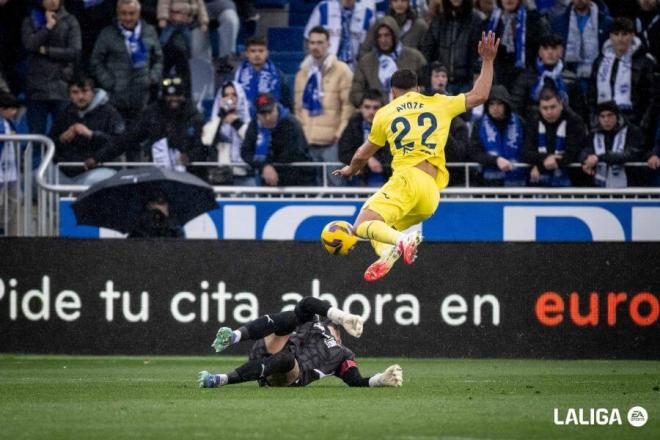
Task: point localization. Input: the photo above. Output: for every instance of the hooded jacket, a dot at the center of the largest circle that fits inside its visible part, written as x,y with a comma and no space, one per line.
366,72
452,39
641,94
100,117
48,73
337,77
416,28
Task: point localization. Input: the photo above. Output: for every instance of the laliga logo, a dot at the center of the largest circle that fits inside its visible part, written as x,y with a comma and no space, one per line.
637,416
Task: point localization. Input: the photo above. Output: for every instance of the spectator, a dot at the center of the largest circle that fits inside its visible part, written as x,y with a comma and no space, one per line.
378,168
548,72
84,131
230,118
51,37
621,8
612,143
258,74
647,27
484,8
12,55
498,141
128,79
584,26
8,166
388,55
553,140
519,30
452,39
274,138
623,73
93,16
412,26
322,86
155,221
171,130
457,141
149,12
178,21
348,23
225,22
249,15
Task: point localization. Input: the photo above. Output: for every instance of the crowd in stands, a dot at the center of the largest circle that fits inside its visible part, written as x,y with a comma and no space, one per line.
576,91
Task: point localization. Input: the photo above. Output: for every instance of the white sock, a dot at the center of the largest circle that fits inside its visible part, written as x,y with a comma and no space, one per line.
336,315
222,379
235,336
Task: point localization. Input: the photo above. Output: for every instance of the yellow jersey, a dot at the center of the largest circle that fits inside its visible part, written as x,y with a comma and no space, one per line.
416,127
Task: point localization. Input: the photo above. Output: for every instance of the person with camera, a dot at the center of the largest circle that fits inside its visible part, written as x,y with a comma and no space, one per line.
225,131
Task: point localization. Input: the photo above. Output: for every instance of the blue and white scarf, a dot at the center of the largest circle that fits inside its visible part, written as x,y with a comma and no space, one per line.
165,157
512,43
312,99
622,82
554,75
135,45
266,80
643,32
328,14
582,47
387,66
8,168
560,138
345,52
508,147
264,137
38,18
613,176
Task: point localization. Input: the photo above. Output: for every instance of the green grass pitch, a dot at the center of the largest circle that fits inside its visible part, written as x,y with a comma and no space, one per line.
71,397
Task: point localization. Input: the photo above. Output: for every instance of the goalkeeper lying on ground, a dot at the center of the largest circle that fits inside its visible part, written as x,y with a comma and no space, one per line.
296,348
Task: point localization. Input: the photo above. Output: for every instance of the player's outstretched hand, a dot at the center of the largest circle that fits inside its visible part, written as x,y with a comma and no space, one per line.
392,377
346,171
488,46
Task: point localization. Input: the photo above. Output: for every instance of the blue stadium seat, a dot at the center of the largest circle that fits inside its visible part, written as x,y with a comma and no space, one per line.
299,11
289,80
271,4
287,62
285,39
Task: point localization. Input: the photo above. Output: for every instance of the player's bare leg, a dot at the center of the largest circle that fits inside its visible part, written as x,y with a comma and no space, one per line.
388,243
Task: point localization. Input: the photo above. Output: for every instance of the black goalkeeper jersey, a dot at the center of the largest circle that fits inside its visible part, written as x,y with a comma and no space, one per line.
317,351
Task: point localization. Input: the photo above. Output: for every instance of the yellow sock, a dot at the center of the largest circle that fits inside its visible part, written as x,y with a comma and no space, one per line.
380,248
379,231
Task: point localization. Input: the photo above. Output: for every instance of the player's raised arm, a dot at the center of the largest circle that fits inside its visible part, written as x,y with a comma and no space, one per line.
487,51
358,161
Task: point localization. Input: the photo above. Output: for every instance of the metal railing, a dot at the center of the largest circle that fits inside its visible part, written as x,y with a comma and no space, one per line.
50,190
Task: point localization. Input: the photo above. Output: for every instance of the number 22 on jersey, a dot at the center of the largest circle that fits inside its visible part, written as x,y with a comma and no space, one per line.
401,127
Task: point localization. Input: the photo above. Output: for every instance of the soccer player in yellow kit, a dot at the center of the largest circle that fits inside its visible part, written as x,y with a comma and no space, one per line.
416,127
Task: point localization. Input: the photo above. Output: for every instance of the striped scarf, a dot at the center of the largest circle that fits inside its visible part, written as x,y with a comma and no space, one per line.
554,75
613,176
622,82
497,145
266,80
582,47
135,45
512,43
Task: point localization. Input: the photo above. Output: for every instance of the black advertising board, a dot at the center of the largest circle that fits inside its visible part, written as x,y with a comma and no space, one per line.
528,300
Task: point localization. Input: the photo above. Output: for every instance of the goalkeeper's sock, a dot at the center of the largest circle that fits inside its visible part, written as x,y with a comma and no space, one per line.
379,231
381,249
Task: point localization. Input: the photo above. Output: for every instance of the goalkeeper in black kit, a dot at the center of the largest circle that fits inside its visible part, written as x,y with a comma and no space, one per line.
296,348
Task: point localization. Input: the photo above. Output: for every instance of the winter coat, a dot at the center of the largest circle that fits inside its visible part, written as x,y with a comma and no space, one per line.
288,145
452,39
325,128
353,137
182,128
505,63
524,104
560,24
412,38
366,72
632,150
100,117
576,138
191,9
113,69
642,81
476,151
48,74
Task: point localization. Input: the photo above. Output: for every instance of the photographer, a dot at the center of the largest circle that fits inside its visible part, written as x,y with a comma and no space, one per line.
226,131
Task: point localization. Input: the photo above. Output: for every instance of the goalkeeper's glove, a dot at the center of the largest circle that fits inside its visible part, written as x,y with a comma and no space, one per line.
392,377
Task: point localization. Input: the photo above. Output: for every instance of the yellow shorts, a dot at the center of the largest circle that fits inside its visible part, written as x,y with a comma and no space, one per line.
409,197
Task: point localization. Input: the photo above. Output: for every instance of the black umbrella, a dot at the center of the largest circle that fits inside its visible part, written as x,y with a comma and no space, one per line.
117,202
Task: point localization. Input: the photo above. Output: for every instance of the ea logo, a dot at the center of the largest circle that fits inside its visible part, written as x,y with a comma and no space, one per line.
637,416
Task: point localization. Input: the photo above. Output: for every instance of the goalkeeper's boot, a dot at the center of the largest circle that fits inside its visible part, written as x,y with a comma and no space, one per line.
208,380
407,246
382,266
222,339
